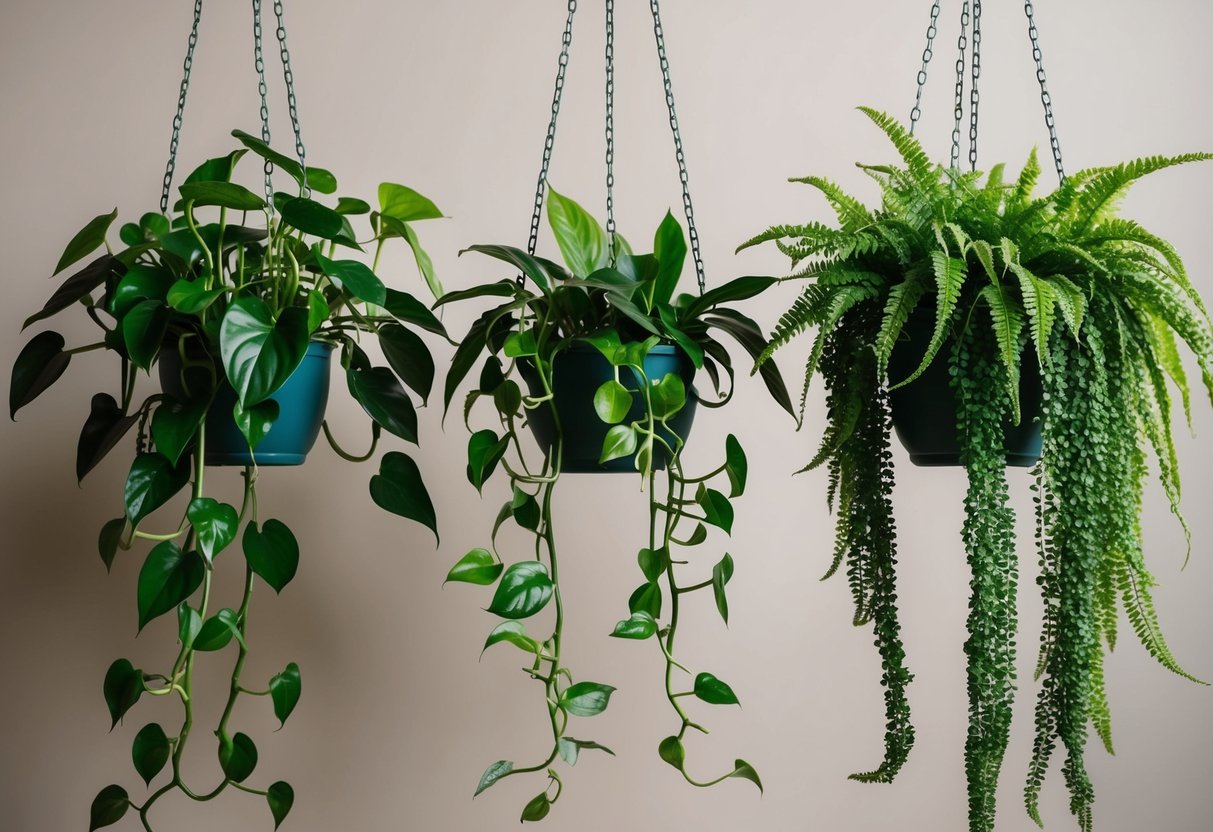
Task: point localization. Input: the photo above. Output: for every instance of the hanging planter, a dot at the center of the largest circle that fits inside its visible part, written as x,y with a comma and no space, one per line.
598,356
993,326
924,413
235,302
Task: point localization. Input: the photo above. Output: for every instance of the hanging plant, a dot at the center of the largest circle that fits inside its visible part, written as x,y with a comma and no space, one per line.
603,353
236,319
983,282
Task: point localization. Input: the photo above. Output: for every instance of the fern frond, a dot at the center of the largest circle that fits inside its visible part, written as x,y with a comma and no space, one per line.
1008,318
1135,583
1040,303
1101,194
1071,301
852,214
1021,193
813,232
916,160
950,275
903,299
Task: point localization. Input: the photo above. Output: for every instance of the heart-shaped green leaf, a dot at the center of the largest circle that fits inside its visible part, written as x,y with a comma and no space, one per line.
398,488
168,577
409,357
214,523
109,807
745,771
612,401
586,698
141,282
191,296
189,625
478,566
384,400
355,278
254,423
175,426
87,240
318,179
405,204
537,809
259,353
717,510
736,466
713,691
285,688
653,562
150,751
109,539
153,481
524,590
104,428
722,573
38,366
122,688
620,441
492,774
318,220
218,631
237,757
671,750
646,598
281,798
512,632
272,552
669,396
143,331
639,626
485,450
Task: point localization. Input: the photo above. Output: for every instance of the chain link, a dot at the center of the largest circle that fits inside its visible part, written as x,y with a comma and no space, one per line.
263,91
550,140
610,128
288,76
927,55
679,152
171,166
974,95
1045,99
962,44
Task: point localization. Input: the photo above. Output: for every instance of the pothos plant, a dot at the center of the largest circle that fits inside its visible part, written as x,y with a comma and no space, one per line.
621,306
234,304
1057,285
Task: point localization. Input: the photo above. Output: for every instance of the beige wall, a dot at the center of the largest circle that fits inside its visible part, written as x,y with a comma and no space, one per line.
398,718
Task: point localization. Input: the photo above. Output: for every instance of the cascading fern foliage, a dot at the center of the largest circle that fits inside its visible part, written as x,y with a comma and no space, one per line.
1058,286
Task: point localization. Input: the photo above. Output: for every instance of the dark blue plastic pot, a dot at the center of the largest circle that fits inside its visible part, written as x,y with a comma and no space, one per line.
301,405
577,374
924,411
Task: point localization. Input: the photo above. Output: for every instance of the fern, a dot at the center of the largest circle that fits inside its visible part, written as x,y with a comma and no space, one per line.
852,214
950,275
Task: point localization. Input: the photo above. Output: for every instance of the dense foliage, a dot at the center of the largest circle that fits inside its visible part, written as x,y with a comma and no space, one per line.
620,306
233,306
1058,284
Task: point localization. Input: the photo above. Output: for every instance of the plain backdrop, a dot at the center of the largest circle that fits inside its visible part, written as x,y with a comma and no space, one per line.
398,717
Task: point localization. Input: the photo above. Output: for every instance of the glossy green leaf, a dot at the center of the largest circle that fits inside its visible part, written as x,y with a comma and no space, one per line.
586,698
87,240
143,331
736,466
175,426
318,220
218,631
425,264
403,203
508,398
669,395
406,308
221,195
214,524
670,249
478,566
525,510
122,688
647,599
537,269
492,774
141,282
318,179
607,342
699,535
537,809
191,297
38,366
653,562
237,757
612,401
466,355
109,539
409,357
520,344
582,241
285,689
485,450
104,428
281,797
254,423
639,626
168,577
713,691
355,278
570,749
524,590
383,398
272,552
745,771
620,441
77,287
671,750
215,170
109,807
398,488
153,481
189,625
259,353
512,632
352,206
717,509
150,751
722,573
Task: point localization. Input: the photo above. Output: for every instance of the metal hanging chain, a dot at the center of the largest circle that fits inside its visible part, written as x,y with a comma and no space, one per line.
292,104
974,96
550,140
610,129
1045,99
962,44
171,167
680,154
263,91
927,54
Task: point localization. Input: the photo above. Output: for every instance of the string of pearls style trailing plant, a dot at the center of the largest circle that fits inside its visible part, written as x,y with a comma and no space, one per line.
621,306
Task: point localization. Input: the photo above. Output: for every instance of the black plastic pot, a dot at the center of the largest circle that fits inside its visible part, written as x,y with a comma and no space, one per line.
301,404
577,374
924,411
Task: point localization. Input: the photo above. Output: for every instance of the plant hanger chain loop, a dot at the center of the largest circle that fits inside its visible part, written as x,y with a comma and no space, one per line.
610,129
679,152
549,141
292,104
1045,98
974,95
962,44
263,91
927,54
171,166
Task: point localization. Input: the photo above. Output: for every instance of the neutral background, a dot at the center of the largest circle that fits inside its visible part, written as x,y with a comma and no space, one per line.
398,717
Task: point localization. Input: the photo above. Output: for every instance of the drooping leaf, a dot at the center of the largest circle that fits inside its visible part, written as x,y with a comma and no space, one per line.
524,590
570,749
285,688
150,751
189,625
492,774
383,398
168,577
105,427
122,688
717,509
398,488
109,807
109,539
744,771
736,466
218,631
409,357
653,562
259,352
586,698
77,287
318,220
153,481
485,450
671,751
38,366
620,441
214,523
143,331
722,573
478,566
255,422
237,757
272,552
175,426
512,632
281,797
318,179
537,809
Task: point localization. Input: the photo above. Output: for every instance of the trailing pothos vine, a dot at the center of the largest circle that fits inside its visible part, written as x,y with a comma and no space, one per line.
612,316
1011,288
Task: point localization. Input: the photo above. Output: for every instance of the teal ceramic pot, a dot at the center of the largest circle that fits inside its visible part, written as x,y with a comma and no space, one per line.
924,411
577,374
301,405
